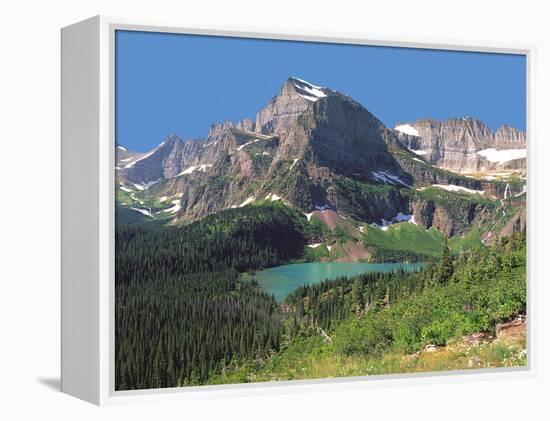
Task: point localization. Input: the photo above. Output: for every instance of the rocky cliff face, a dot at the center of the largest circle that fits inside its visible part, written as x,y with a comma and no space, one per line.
283,109
455,144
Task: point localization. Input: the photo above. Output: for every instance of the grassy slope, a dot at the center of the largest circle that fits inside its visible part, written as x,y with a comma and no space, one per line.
485,291
410,238
311,358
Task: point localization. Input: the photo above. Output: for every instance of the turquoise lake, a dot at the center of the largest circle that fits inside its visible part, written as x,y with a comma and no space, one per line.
282,280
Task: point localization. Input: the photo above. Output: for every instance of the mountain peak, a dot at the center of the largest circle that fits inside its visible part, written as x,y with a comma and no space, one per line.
307,90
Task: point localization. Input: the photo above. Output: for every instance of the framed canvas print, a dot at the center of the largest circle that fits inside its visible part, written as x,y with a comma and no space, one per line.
247,208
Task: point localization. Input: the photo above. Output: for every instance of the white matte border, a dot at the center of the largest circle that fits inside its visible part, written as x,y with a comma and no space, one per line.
108,26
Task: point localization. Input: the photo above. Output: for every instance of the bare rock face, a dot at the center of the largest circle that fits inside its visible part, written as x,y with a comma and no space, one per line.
246,124
450,219
507,137
167,160
282,110
454,144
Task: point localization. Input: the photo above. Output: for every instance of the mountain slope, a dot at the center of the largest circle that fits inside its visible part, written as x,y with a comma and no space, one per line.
314,148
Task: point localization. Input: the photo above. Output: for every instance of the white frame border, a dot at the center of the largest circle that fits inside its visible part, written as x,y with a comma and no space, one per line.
107,395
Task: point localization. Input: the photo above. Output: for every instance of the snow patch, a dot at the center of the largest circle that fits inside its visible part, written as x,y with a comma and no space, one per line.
193,168
273,197
329,248
322,207
252,141
144,185
419,152
308,216
122,148
455,188
492,155
314,246
141,158
401,217
247,201
146,212
383,226
126,189
307,90
388,178
407,129
163,199
294,163
175,208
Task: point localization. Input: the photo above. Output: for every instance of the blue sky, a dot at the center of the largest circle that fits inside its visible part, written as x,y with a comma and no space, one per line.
171,83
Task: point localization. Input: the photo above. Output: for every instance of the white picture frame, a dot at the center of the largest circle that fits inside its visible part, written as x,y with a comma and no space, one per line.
88,211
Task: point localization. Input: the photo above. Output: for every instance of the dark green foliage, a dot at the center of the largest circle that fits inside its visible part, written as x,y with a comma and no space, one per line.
127,216
331,301
357,296
183,317
366,201
404,312
181,312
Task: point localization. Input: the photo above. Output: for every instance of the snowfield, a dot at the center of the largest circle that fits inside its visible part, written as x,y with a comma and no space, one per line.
407,129
505,155
312,92
455,188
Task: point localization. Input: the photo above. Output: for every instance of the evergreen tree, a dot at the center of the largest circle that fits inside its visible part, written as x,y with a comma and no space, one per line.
446,264
358,297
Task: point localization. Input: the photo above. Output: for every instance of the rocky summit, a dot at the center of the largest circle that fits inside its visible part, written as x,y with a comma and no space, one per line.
321,152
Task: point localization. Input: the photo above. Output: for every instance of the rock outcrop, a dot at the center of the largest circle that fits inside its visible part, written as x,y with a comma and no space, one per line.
455,144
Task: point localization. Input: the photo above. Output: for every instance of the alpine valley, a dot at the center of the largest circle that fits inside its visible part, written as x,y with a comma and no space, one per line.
202,225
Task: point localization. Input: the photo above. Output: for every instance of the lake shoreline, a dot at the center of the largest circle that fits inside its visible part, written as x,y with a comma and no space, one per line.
283,279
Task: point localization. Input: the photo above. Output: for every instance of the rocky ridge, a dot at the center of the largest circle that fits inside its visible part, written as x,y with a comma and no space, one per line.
464,144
